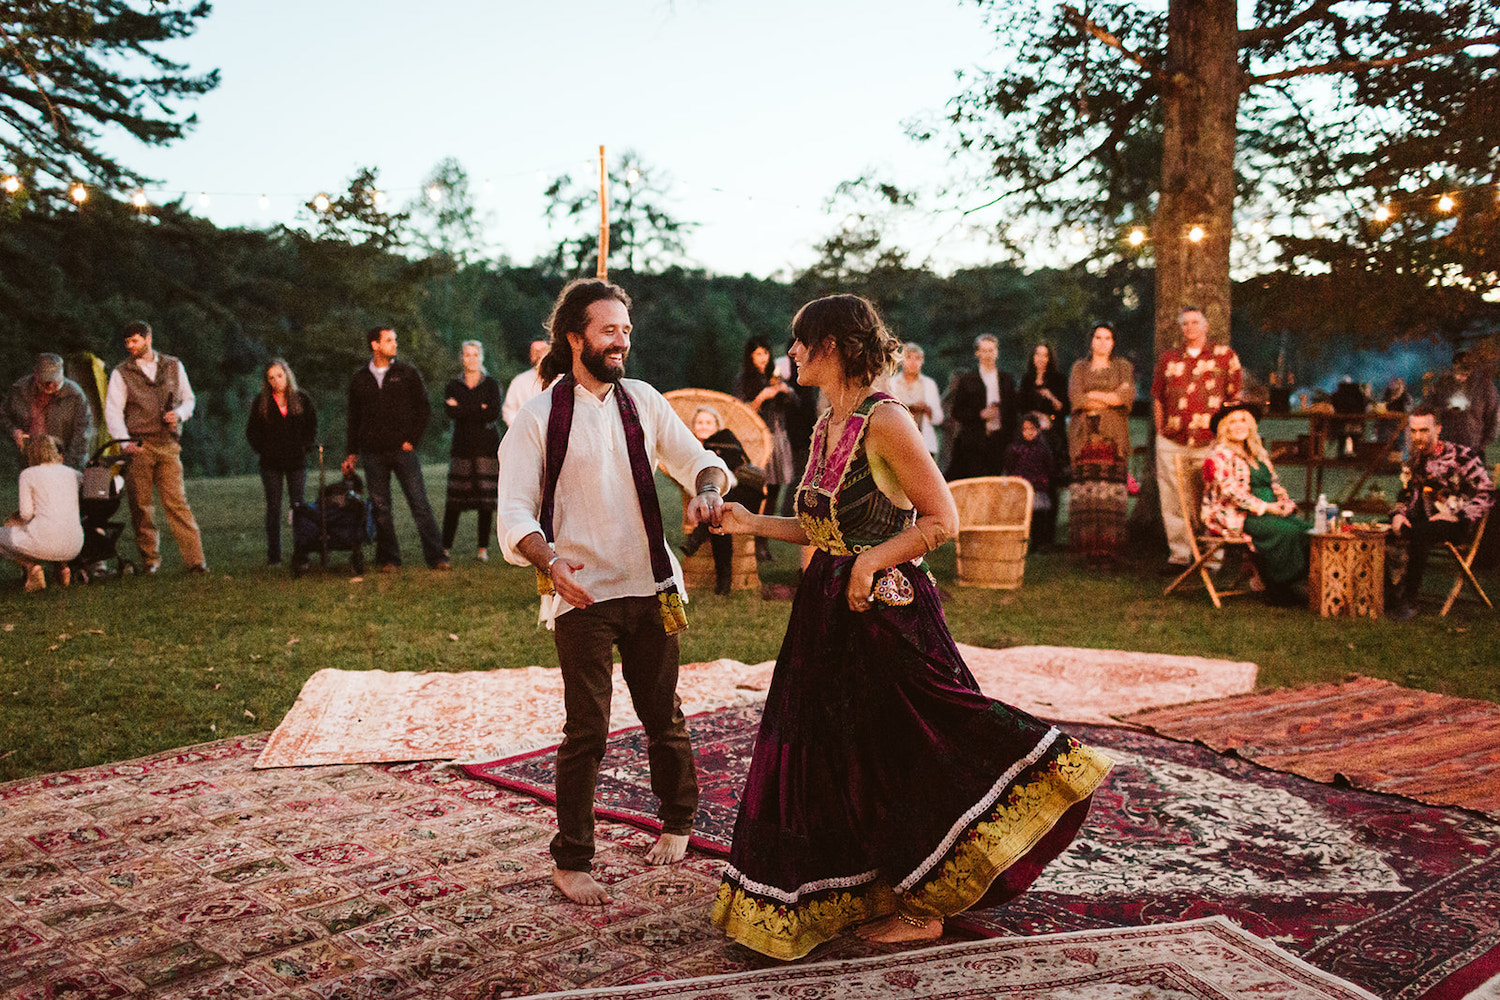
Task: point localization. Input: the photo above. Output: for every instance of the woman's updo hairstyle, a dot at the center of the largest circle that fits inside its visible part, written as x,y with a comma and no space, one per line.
867,348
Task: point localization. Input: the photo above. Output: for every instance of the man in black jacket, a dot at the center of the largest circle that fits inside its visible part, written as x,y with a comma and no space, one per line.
984,408
388,411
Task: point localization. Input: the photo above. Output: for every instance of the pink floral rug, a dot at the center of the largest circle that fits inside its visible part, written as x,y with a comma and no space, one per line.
1098,686
375,716
1209,959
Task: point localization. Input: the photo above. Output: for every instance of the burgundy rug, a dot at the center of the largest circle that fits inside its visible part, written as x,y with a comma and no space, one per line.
723,742
1397,897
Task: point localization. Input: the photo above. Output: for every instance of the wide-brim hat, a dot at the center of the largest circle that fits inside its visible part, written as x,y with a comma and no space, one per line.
1240,404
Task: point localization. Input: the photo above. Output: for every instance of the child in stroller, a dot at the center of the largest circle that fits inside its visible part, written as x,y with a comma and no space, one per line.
341,518
99,494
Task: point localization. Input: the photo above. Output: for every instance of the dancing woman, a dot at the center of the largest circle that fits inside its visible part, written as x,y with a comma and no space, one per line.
885,789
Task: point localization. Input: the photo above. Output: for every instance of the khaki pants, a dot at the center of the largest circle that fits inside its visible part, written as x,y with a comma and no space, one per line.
1171,506
158,465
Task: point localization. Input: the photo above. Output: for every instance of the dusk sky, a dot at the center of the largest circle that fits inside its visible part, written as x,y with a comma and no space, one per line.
755,110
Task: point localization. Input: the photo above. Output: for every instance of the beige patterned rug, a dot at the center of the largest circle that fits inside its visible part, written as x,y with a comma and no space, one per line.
1209,959
1099,686
377,716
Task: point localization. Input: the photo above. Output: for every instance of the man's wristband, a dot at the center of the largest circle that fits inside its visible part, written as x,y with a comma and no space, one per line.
709,488
554,559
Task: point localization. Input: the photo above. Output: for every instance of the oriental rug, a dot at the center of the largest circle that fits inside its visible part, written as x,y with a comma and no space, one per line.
1365,732
1068,684
1208,959
723,743
374,716
1398,897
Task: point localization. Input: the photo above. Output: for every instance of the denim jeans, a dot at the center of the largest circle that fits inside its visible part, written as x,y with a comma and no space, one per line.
404,465
270,481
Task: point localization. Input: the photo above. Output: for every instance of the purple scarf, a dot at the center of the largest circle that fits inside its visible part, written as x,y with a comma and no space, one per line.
559,429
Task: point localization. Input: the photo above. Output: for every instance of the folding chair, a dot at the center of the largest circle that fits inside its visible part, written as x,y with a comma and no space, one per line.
1203,544
1465,560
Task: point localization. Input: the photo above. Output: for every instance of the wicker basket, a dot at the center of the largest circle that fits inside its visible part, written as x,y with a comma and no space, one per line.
994,527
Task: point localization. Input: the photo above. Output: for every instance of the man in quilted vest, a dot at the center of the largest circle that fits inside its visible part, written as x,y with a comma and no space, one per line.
148,401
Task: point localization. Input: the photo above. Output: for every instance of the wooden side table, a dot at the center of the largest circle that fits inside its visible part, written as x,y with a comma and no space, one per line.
1346,574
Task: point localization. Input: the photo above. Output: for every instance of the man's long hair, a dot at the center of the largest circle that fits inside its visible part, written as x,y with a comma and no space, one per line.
570,315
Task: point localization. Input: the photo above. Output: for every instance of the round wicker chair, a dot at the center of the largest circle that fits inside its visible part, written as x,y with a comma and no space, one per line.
755,437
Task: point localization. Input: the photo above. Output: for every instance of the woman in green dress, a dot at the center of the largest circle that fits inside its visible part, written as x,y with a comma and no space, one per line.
1241,494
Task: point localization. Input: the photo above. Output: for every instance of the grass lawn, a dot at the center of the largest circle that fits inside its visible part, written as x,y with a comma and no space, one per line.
137,665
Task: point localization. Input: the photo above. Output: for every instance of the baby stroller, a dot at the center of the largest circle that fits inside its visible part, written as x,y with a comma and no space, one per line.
340,519
98,500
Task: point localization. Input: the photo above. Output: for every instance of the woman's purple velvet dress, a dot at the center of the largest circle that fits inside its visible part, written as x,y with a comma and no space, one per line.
881,774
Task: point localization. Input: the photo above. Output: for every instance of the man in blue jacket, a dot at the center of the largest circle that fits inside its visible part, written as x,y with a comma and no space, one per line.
388,412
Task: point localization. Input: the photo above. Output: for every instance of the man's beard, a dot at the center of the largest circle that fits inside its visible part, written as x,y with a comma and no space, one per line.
595,364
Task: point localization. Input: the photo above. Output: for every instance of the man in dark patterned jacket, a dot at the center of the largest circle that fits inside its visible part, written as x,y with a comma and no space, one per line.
1445,490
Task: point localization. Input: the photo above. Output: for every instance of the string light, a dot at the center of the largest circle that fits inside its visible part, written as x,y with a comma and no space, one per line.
434,194
12,184
139,199
1196,234
1317,220
265,203
203,199
1383,213
1137,236
78,193
1445,203
632,176
321,202
377,198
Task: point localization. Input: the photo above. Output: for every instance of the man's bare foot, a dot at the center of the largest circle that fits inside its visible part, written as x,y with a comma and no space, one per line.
892,929
669,849
580,887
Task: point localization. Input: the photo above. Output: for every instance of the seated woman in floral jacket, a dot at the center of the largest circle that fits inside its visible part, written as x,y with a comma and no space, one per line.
1241,494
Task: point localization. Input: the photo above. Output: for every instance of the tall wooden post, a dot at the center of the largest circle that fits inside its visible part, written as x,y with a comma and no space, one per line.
603,269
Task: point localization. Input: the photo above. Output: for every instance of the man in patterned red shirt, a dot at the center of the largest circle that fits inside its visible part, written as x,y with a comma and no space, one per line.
1190,384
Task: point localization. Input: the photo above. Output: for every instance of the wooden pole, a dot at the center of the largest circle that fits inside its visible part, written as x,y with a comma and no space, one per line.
603,270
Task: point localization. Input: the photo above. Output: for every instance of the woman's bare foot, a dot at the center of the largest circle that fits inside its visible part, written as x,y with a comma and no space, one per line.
669,849
64,575
580,887
892,929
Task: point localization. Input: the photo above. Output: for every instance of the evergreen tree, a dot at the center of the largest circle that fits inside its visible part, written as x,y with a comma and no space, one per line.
70,69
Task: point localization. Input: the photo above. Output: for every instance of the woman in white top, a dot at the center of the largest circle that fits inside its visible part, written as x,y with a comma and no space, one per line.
919,393
48,527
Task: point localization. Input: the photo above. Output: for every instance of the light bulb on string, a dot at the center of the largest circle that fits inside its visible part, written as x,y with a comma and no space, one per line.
632,176
377,198
321,202
78,193
1383,213
1196,234
434,194
138,199
1137,236
1076,237
1445,203
265,203
1258,227
12,184
1317,220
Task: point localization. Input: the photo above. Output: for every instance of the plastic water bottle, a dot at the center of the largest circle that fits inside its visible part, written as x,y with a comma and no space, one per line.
1320,514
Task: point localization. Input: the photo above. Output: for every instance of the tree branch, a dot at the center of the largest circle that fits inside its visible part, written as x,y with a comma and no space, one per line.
1076,18
1361,65
1275,33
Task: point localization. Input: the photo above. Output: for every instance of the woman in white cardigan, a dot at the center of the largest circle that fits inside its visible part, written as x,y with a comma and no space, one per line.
48,527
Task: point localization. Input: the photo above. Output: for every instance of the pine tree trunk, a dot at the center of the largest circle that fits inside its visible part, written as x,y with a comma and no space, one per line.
1197,173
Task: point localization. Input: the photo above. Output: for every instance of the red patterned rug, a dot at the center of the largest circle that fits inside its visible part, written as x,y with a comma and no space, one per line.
1400,898
1207,959
1366,732
723,743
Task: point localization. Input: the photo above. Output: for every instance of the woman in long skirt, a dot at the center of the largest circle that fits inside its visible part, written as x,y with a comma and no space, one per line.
473,404
885,789
1101,389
